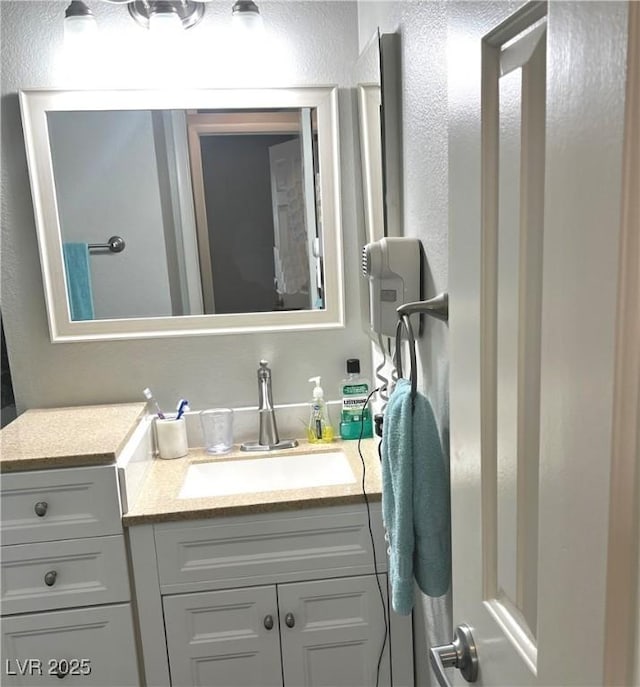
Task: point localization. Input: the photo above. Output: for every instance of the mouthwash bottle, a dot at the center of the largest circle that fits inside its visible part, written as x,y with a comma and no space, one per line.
355,419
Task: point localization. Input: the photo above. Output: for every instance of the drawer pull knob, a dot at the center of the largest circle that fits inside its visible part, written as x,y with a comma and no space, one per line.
50,578
268,622
289,620
41,508
60,673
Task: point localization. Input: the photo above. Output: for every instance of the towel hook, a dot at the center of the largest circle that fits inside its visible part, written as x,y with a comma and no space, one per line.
437,307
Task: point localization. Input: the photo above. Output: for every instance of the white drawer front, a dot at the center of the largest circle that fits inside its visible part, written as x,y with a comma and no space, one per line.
68,503
97,645
76,572
249,550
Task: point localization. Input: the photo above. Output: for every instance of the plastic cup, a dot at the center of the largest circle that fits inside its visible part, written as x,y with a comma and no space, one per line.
217,429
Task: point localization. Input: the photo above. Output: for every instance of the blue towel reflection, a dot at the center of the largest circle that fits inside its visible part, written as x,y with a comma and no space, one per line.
78,274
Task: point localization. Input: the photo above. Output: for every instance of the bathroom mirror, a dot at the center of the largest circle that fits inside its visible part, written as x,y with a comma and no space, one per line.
391,128
193,212
367,78
379,97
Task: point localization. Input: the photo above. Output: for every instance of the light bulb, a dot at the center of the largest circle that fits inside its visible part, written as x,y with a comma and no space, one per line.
246,17
80,26
166,23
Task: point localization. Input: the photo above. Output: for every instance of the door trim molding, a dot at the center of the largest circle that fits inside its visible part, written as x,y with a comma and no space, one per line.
624,510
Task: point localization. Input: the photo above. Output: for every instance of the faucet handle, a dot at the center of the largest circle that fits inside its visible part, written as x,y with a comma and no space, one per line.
268,435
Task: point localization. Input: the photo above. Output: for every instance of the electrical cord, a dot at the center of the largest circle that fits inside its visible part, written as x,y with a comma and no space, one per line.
379,376
394,366
373,546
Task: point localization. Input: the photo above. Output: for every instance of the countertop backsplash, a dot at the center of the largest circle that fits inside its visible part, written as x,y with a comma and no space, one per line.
292,420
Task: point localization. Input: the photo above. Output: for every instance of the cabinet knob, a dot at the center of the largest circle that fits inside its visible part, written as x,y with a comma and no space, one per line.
62,672
268,622
41,508
289,620
50,578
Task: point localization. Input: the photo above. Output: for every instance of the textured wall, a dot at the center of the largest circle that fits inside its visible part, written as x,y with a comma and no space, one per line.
422,29
106,176
423,34
309,43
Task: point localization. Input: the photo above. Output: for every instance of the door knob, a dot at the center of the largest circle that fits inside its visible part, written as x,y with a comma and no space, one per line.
50,578
460,654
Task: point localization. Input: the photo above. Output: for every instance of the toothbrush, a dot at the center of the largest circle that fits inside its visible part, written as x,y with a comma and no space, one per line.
153,403
183,405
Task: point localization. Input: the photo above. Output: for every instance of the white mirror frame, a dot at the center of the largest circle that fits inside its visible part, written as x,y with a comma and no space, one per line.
371,156
36,103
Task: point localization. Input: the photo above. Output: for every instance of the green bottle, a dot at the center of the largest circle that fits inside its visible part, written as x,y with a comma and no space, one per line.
354,391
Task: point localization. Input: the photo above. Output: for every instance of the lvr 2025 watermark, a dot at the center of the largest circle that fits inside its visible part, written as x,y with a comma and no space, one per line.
54,666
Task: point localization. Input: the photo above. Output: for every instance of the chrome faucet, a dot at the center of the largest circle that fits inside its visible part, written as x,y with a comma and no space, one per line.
268,439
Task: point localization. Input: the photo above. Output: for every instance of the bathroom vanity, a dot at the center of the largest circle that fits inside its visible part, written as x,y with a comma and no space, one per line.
258,599
261,588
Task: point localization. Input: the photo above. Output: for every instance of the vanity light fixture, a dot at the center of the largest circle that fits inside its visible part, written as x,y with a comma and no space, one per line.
79,23
163,15
245,15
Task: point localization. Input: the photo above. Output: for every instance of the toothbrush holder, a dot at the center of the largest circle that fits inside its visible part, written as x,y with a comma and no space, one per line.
171,435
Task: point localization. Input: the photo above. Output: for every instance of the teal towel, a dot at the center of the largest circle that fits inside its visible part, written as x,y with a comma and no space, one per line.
78,271
415,499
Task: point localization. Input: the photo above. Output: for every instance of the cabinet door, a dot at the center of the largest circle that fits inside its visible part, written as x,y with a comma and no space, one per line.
224,639
332,632
85,646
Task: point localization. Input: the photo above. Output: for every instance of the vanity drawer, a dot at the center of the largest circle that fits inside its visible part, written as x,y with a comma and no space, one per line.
67,503
77,572
261,549
97,646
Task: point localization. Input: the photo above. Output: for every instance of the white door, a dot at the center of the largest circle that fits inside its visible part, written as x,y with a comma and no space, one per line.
536,98
293,202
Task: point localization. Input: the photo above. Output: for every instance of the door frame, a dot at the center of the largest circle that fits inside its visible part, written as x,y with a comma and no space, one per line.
229,123
621,622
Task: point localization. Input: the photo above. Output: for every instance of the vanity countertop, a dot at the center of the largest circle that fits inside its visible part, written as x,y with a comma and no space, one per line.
158,500
67,437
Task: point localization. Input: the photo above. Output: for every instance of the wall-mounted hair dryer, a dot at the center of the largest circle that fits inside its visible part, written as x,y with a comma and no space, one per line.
392,266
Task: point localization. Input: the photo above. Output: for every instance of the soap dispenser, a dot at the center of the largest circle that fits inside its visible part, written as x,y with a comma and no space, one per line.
319,430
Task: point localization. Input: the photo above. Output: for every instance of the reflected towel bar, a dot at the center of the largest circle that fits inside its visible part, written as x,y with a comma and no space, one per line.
115,244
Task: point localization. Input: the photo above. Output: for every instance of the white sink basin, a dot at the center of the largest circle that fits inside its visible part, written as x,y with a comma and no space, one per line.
225,477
